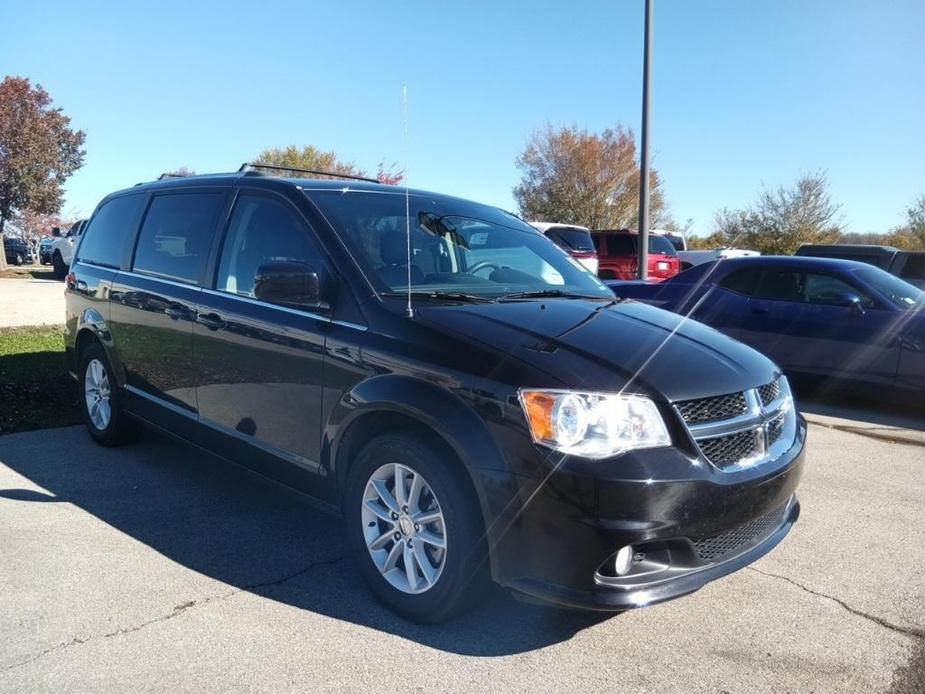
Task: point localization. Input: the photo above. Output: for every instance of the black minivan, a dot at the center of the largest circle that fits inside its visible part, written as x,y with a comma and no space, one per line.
469,398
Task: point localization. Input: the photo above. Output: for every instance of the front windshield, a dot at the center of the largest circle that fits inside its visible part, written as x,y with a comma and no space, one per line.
457,247
898,291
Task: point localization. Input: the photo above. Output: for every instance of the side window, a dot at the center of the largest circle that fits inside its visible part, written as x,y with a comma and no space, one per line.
621,244
262,230
914,267
825,289
174,240
112,230
742,281
782,285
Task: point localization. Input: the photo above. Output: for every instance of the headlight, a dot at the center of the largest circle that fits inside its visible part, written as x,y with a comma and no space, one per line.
593,425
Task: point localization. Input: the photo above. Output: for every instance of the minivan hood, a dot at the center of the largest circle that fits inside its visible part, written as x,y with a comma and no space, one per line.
601,346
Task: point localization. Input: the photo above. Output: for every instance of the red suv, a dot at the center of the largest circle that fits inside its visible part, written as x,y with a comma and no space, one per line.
618,255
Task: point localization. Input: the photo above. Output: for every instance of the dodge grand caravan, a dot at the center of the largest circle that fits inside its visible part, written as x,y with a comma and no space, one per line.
471,400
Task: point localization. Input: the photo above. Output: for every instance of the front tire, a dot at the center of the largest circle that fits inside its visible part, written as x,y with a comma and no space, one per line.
58,263
101,400
414,528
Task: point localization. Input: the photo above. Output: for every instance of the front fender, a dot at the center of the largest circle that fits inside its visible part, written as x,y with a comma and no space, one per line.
443,411
449,416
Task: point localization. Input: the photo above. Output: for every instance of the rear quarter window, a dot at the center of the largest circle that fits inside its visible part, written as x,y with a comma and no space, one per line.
914,267
742,281
620,244
112,230
176,235
571,238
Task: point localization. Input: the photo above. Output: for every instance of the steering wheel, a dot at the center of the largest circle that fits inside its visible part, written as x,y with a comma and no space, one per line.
478,267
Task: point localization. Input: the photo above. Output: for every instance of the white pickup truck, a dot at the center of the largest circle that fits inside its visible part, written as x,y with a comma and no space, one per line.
691,258
62,249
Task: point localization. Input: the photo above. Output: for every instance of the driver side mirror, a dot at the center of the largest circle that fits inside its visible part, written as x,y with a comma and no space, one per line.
292,284
850,300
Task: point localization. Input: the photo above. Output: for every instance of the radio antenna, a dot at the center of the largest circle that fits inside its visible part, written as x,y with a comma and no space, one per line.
404,100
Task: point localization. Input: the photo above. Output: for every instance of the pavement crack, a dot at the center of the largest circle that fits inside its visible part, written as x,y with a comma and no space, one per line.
284,579
906,631
176,612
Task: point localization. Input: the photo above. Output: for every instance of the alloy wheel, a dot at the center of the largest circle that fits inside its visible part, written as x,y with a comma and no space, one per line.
97,392
404,528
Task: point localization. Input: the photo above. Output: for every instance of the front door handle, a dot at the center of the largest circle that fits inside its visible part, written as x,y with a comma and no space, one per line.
210,320
759,309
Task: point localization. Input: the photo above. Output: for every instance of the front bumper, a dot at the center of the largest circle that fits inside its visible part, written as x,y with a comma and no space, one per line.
688,523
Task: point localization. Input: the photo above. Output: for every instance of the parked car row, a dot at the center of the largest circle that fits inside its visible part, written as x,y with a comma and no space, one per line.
473,402
45,250
826,318
62,248
16,250
613,254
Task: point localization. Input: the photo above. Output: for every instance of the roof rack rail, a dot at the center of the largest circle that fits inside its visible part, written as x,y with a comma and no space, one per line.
248,165
171,174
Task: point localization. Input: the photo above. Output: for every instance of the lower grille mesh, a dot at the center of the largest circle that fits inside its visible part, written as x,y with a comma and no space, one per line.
723,451
712,548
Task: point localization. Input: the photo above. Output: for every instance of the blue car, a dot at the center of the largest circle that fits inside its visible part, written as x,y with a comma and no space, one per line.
816,317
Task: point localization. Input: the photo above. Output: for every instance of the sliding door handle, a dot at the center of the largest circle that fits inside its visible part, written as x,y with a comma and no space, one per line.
212,321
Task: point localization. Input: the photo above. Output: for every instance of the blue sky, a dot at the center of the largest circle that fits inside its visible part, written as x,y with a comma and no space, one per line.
746,93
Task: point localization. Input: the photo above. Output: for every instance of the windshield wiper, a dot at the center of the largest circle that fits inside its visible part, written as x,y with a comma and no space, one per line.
551,293
450,296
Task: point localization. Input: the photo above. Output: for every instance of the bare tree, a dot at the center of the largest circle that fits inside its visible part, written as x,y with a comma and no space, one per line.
180,172
784,219
571,175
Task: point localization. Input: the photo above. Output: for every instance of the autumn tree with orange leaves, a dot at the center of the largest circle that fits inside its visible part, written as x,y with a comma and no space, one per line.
38,152
574,176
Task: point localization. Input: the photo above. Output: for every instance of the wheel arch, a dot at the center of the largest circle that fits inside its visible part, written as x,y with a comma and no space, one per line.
93,329
403,403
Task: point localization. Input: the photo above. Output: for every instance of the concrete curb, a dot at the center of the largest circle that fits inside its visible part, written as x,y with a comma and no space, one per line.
909,437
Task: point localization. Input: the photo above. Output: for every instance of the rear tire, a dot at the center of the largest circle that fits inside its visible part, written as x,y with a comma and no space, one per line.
58,263
446,554
101,400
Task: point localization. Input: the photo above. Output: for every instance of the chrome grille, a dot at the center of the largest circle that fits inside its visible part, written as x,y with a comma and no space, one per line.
724,451
739,430
775,429
769,393
717,546
712,409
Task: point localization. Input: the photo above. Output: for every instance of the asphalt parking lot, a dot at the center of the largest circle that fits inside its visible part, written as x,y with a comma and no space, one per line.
157,567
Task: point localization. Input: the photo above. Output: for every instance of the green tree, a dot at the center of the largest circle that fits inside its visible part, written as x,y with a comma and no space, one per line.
571,175
38,152
782,220
314,159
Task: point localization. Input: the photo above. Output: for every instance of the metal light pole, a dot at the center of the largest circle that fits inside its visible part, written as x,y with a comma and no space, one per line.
643,270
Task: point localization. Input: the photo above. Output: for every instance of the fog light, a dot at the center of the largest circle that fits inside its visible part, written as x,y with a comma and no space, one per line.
624,560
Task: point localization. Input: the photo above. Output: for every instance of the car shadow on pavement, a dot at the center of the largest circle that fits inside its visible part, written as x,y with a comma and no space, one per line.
860,407
246,531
